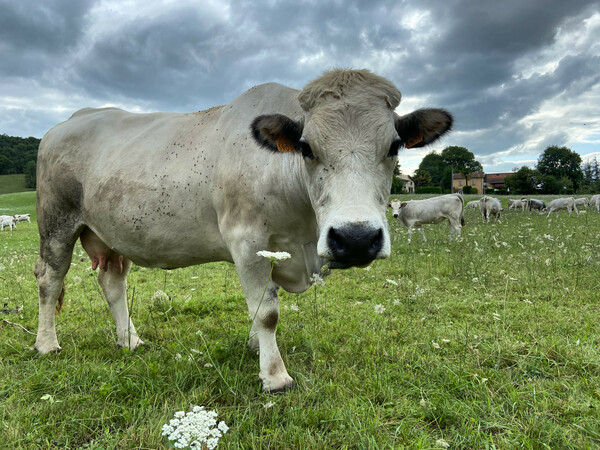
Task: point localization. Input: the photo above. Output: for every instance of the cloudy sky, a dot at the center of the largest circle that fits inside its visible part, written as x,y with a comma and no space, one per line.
518,75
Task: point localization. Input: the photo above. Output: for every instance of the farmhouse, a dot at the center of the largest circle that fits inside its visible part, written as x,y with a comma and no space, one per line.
475,181
496,180
409,184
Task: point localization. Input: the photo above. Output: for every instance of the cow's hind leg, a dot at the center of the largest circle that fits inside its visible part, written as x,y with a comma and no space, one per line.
112,277
51,267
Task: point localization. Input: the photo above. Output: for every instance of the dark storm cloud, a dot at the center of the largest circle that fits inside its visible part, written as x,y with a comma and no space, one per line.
36,34
492,64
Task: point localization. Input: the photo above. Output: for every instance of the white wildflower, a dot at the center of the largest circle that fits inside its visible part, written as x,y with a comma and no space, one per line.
442,443
445,341
77,279
268,405
391,282
367,268
294,307
513,279
208,365
548,261
547,236
195,429
193,350
496,316
178,356
379,309
315,278
435,344
475,280
274,256
397,301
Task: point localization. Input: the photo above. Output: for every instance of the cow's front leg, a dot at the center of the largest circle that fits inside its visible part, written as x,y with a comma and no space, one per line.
263,307
422,234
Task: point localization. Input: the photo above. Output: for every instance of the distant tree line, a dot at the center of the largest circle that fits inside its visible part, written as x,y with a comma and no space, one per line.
559,170
19,155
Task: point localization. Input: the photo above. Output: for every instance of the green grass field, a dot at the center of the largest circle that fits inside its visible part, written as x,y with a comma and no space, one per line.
12,183
491,341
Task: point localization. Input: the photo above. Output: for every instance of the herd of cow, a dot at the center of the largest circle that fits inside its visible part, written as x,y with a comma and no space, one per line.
415,213
11,221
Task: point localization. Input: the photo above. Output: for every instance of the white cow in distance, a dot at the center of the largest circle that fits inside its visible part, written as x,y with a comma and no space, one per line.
595,202
22,218
305,172
490,206
567,203
415,213
518,203
473,204
8,221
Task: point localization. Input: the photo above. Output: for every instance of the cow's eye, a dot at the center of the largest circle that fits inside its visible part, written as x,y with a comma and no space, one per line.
306,150
394,148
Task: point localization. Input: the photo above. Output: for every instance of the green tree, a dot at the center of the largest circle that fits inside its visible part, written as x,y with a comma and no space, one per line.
433,163
591,176
550,185
561,162
459,159
524,181
421,178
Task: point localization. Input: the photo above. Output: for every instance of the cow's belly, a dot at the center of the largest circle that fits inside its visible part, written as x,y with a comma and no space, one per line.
155,232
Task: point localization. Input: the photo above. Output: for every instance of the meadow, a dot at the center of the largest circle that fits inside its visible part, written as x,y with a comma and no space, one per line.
489,341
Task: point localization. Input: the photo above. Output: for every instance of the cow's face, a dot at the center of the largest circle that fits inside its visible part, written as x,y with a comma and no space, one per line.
397,206
349,149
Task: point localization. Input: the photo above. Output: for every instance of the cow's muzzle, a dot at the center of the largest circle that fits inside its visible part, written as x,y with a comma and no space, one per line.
354,245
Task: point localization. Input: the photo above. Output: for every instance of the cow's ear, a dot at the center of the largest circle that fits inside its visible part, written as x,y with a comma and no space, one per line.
423,127
277,132
403,204
389,205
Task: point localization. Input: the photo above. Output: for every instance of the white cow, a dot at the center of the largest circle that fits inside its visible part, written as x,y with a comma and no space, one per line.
415,213
8,221
276,169
22,218
567,203
474,204
490,206
595,202
517,203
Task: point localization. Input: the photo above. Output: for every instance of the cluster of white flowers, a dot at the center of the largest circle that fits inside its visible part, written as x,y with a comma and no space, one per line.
195,428
274,256
379,309
315,278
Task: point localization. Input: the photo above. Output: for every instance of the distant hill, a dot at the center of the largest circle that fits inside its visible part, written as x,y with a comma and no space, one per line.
9,184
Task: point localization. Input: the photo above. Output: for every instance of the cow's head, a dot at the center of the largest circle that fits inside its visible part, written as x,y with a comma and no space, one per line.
396,206
349,139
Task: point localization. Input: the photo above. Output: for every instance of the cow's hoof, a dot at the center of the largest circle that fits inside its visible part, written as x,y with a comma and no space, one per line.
278,385
45,349
134,343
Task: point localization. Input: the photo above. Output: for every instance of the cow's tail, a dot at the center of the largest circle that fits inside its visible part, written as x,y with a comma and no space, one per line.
462,211
61,298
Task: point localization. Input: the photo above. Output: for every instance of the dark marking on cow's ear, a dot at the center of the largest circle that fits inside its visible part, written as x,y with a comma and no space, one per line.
277,132
423,126
403,204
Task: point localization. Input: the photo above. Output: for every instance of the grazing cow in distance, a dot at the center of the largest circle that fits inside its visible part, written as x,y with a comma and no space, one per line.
490,206
415,213
595,202
582,201
536,204
473,204
306,172
8,221
517,203
22,218
567,203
